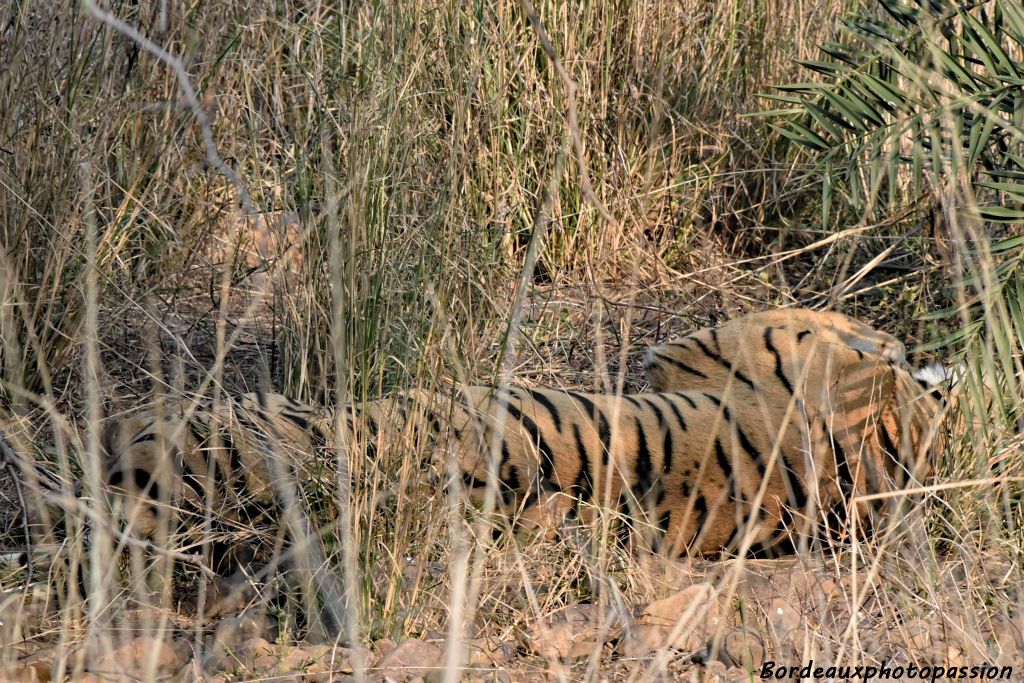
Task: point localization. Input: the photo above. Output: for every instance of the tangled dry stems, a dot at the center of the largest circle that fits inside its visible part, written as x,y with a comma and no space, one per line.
416,145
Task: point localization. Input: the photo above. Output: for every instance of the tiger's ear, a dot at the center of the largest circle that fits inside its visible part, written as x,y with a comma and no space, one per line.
939,379
937,374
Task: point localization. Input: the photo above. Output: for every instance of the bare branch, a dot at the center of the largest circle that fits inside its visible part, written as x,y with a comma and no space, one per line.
188,92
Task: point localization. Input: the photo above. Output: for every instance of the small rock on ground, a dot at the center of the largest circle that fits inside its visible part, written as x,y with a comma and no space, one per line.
412,659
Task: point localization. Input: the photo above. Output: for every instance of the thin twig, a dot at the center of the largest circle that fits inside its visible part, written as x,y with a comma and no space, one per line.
188,92
7,461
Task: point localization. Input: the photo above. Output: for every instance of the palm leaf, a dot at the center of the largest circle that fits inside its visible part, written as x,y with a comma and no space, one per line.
934,87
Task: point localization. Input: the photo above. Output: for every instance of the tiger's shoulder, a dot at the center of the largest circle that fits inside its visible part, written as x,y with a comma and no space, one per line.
771,351
850,383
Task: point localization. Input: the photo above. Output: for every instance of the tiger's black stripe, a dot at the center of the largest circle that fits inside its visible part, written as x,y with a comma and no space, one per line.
603,428
795,493
716,357
700,506
644,466
552,409
511,483
144,437
723,462
847,483
718,404
235,479
547,457
680,365
752,451
583,482
658,414
680,420
779,370
667,450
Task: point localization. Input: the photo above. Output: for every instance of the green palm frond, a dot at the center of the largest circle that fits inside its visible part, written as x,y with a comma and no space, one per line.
925,97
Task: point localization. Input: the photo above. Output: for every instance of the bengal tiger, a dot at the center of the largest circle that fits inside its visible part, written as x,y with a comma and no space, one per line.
881,419
753,435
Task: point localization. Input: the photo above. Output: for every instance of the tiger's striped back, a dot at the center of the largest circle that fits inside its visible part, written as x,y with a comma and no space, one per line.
776,355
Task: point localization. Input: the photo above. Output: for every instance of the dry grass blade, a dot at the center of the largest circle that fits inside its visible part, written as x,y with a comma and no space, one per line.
514,193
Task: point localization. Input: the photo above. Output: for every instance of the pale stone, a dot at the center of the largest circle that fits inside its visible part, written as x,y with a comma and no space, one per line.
486,652
737,675
576,630
786,627
136,657
39,665
414,658
20,674
323,661
242,627
714,672
239,658
685,621
384,646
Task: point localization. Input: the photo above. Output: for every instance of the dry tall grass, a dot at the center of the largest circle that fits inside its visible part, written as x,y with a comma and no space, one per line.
216,197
